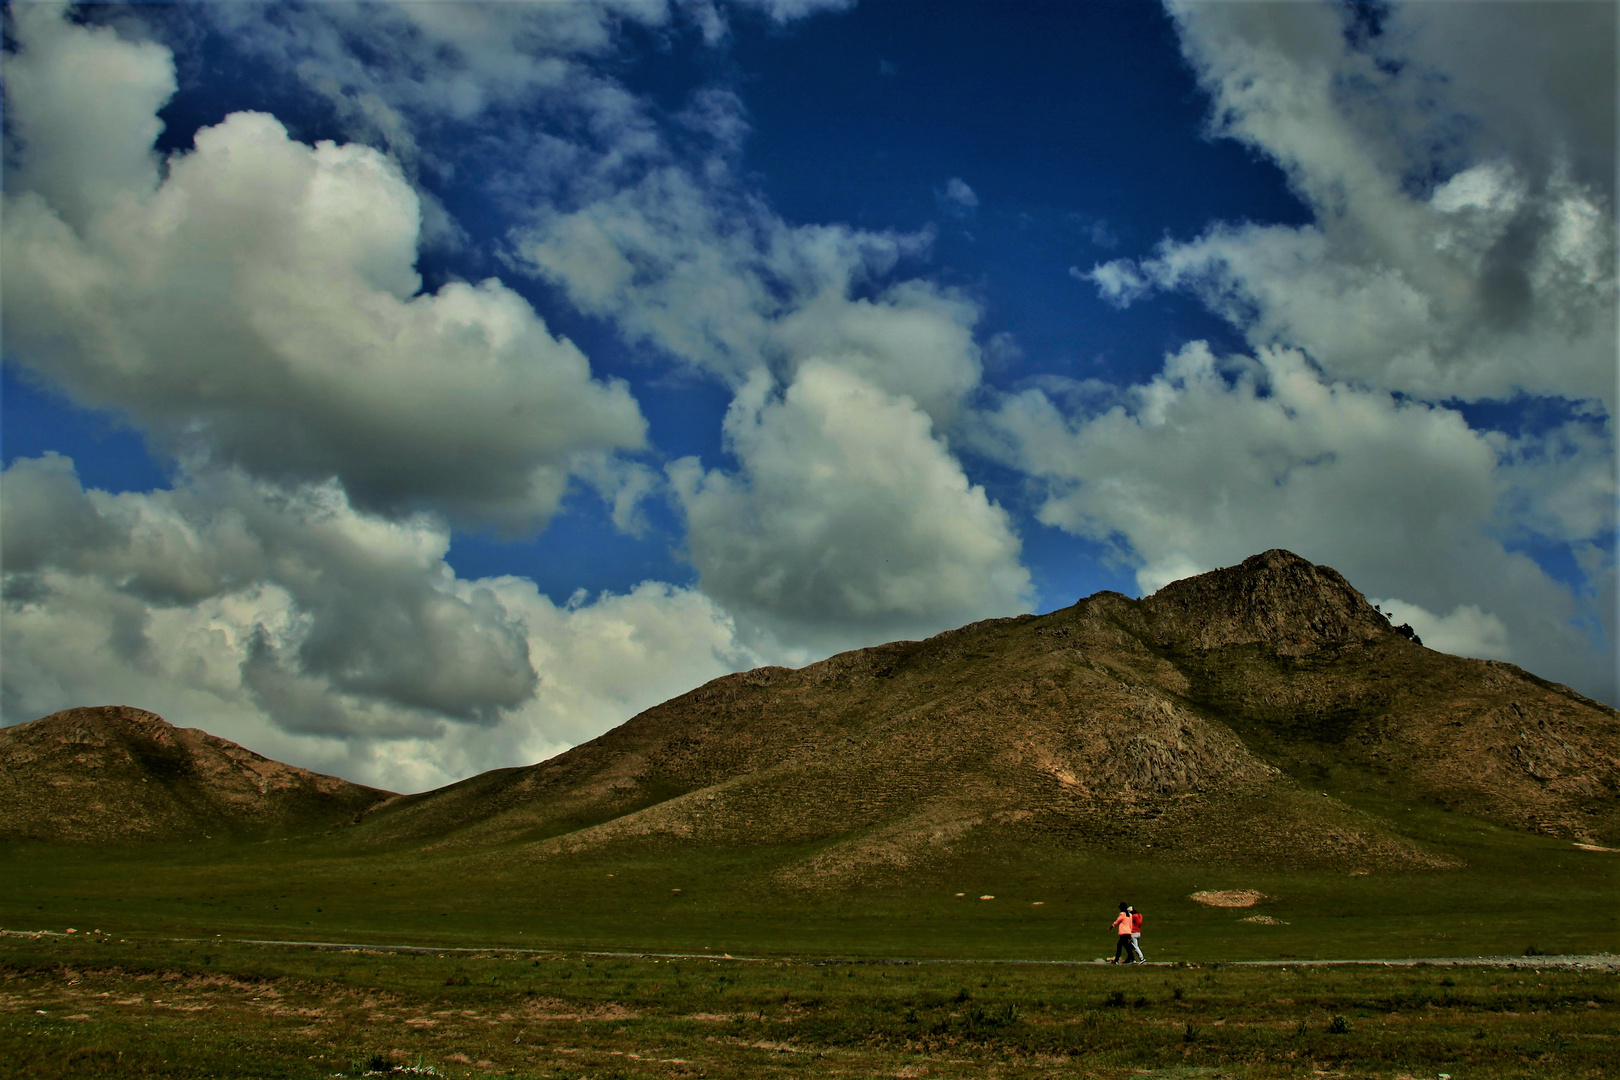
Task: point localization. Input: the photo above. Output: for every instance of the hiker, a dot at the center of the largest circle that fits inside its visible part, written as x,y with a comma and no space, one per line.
1136,934
1122,927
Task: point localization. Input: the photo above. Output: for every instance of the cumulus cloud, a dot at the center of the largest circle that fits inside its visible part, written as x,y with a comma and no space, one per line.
1540,78
258,306
1497,279
1467,631
81,107
330,637
358,608
644,219
1119,282
849,522
252,305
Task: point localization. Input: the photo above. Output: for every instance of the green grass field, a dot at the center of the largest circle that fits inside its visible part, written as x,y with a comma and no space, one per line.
87,1008
1516,891
157,981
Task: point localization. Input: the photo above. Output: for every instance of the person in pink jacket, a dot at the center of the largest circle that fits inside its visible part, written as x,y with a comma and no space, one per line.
1124,926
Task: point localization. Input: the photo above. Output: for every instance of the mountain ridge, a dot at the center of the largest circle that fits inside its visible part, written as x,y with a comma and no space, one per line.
1174,722
1205,722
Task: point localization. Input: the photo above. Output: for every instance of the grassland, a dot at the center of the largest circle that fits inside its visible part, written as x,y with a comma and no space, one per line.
156,980
87,1008
159,979
1516,890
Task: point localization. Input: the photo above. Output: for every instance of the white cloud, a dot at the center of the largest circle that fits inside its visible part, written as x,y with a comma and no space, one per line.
782,11
81,108
912,339
958,198
260,306
388,68
392,69
653,230
1559,484
355,605
849,522
716,279
1120,282
253,306
1467,631
1499,280
1537,80
318,634
604,658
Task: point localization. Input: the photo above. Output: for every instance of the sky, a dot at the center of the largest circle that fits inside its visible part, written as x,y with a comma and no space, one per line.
405,390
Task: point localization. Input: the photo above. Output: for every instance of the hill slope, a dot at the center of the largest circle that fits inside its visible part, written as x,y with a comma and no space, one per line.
114,774
1199,722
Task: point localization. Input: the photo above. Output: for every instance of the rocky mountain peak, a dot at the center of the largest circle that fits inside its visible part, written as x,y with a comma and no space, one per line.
92,723
1275,599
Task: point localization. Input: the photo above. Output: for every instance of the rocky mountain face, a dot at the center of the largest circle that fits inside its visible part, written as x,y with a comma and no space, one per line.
115,774
1200,722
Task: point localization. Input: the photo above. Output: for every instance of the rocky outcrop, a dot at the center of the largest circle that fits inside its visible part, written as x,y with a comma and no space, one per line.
1275,599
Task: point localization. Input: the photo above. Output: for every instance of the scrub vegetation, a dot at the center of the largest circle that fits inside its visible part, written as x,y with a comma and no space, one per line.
77,1008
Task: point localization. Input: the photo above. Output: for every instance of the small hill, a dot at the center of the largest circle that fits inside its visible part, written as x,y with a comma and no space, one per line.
115,774
1203,722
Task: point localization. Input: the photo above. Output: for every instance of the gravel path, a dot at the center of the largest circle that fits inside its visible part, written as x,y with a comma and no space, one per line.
1590,962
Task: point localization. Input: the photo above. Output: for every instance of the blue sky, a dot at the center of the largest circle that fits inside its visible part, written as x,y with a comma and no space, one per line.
409,390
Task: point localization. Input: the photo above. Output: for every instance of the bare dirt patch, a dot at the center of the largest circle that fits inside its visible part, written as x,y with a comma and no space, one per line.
1230,898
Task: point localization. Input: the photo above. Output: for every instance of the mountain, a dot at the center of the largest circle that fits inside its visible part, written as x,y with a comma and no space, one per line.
115,774
1201,722
1264,713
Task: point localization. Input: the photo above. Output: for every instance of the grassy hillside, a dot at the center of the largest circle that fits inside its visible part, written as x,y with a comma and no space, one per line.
1205,723
1516,890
